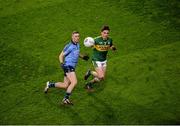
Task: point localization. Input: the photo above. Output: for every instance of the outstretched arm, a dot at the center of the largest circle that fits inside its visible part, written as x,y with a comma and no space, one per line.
84,57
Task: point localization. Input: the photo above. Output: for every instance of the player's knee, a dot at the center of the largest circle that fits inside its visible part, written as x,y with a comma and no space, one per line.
96,79
66,85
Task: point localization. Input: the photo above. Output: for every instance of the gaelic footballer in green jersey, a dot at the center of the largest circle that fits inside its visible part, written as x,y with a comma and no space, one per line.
102,44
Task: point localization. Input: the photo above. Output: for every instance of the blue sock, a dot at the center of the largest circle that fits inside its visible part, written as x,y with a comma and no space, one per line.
67,95
51,84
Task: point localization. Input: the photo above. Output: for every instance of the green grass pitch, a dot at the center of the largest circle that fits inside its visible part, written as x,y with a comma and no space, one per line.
143,76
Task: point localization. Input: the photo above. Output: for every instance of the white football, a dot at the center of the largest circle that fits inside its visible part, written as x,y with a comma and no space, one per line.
88,41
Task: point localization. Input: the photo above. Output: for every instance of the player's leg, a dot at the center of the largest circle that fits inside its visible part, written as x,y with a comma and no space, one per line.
90,72
104,72
58,84
73,82
97,67
62,85
99,74
99,70
104,65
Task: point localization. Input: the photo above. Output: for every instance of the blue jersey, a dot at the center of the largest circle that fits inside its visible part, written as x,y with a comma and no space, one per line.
71,53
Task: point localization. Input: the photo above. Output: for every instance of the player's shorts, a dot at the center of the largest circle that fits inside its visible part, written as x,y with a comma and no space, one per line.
99,63
68,69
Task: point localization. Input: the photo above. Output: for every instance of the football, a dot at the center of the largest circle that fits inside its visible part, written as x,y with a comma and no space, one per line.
88,41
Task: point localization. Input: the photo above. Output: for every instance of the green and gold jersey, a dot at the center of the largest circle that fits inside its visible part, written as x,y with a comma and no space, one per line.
101,48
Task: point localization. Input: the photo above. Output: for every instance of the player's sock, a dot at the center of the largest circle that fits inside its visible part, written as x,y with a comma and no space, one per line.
51,84
89,84
87,75
67,95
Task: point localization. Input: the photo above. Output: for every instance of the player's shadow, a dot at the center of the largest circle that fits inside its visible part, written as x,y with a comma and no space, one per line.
108,114
77,120
69,109
50,101
98,87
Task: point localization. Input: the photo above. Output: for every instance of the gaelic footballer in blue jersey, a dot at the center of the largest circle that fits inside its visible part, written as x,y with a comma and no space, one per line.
68,60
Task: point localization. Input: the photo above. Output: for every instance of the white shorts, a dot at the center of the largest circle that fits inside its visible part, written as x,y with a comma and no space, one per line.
99,63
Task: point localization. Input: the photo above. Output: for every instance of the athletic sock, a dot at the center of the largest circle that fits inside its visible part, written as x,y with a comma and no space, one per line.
67,95
90,84
51,84
90,72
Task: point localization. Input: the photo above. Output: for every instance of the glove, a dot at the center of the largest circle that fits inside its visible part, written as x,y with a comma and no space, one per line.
114,48
85,57
62,65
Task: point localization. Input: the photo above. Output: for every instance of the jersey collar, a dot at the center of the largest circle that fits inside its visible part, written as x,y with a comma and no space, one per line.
73,43
104,39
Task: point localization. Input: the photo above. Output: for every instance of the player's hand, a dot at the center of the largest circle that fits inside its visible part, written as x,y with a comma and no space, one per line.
114,48
85,57
62,65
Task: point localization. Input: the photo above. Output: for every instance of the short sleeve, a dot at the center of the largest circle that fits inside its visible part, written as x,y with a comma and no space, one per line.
67,49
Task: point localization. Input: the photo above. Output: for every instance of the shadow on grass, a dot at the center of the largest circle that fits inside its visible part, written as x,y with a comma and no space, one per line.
128,112
68,109
108,113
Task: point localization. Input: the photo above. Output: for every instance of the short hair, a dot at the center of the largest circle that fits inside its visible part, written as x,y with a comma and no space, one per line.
75,32
105,27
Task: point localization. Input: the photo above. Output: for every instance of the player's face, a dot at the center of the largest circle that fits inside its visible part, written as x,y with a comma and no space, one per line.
105,34
75,37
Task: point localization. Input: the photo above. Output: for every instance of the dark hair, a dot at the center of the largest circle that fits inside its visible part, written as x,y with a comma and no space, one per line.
105,27
75,32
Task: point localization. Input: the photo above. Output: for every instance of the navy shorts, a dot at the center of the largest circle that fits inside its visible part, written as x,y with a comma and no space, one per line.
68,69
